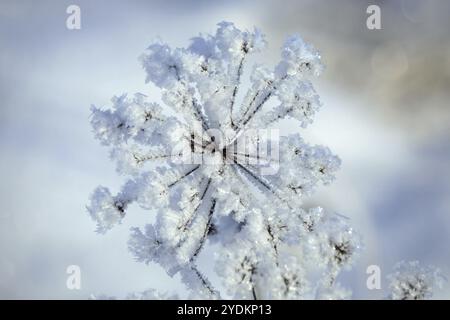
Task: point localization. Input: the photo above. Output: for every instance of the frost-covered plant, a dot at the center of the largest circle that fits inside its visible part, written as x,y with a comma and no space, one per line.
410,281
271,247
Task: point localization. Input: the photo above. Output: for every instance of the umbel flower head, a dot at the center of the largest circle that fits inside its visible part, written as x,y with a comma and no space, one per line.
210,162
411,281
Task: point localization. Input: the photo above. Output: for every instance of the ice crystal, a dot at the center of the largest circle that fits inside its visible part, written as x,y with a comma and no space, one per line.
214,172
410,281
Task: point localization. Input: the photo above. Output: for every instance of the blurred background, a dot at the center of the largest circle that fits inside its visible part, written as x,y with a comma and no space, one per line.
386,114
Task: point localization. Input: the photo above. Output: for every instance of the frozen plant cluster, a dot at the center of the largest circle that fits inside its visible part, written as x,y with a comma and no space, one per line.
410,281
267,245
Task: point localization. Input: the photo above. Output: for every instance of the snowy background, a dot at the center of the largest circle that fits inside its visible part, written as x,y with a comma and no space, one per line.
386,114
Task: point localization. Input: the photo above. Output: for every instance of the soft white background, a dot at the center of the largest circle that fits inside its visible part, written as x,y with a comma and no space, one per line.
385,114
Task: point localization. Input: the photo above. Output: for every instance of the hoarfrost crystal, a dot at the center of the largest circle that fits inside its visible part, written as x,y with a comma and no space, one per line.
410,281
270,246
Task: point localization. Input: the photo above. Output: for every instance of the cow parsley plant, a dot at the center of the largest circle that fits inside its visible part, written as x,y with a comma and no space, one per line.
211,164
411,281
